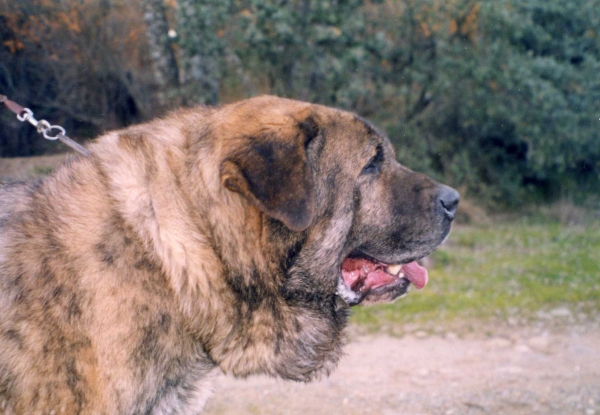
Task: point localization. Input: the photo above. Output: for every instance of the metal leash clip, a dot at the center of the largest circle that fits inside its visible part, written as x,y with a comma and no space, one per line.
42,126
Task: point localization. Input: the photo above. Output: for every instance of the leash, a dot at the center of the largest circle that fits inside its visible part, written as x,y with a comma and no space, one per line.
43,127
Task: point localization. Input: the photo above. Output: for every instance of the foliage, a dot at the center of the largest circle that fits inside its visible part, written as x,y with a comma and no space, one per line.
498,97
201,27
519,270
521,103
79,64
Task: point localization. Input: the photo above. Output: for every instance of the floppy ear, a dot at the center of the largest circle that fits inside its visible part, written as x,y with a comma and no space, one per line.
273,173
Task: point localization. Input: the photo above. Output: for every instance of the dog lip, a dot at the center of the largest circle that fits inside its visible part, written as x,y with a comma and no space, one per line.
388,293
349,296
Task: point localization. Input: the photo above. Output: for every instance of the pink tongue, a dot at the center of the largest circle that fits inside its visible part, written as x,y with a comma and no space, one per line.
415,274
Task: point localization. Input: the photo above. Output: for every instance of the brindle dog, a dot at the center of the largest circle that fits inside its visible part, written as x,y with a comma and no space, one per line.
234,237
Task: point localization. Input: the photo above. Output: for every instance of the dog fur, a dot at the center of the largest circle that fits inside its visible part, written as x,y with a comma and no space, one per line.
210,238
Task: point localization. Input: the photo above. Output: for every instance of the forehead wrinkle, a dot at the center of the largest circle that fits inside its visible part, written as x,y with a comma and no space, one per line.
352,140
371,129
376,136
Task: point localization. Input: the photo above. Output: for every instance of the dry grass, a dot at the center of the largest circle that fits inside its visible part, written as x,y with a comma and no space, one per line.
568,213
470,214
27,168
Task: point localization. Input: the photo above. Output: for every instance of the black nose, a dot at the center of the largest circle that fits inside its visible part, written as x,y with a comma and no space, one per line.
448,201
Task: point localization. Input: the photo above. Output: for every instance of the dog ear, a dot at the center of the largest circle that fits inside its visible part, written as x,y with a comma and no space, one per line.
273,173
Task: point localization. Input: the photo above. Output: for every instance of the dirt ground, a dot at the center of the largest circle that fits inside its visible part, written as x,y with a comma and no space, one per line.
532,369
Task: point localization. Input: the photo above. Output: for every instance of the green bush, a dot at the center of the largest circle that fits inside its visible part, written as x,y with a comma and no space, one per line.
522,100
500,98
497,97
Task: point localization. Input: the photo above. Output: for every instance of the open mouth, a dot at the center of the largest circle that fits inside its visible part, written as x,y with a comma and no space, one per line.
370,281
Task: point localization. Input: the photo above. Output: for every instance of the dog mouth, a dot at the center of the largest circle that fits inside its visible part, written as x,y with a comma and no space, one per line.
368,281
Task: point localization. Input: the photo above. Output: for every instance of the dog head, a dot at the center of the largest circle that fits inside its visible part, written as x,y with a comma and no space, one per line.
331,179
269,218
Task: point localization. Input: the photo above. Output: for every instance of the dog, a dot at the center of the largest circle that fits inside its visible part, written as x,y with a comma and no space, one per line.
235,238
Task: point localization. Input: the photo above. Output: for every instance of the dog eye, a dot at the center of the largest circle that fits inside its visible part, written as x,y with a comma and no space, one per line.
374,165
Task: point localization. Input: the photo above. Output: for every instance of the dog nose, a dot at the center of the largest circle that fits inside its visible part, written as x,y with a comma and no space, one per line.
448,200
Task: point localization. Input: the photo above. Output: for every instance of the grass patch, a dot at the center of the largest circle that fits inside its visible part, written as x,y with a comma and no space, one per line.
501,270
42,171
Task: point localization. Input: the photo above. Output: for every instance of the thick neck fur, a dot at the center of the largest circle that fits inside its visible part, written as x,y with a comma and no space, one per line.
192,226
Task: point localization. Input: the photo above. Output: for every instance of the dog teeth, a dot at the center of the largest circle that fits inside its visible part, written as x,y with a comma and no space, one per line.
394,269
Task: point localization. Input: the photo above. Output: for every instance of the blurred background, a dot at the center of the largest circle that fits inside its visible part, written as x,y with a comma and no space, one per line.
498,98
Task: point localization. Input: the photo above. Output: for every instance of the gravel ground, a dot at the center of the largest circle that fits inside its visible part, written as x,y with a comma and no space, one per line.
532,369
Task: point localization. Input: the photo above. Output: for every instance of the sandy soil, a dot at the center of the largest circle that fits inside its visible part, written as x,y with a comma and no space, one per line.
531,369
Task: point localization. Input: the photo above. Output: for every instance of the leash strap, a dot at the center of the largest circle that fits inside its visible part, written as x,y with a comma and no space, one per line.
43,127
